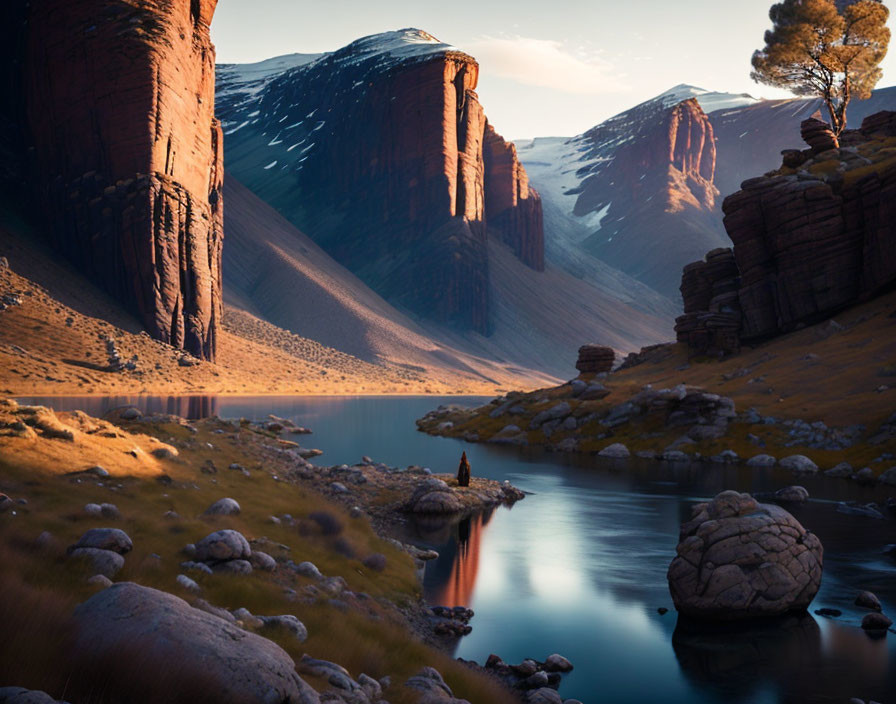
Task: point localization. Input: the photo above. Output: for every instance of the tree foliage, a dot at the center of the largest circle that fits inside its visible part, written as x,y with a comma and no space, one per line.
825,48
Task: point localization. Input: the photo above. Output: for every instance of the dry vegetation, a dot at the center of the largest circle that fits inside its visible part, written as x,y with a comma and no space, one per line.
841,373
40,586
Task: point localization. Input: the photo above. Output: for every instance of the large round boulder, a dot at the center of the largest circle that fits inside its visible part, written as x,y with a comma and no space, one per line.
241,666
740,559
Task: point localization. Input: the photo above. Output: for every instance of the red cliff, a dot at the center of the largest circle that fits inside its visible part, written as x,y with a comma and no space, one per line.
127,154
655,194
383,154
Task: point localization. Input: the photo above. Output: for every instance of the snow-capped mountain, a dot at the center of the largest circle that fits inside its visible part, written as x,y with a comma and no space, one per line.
382,153
642,190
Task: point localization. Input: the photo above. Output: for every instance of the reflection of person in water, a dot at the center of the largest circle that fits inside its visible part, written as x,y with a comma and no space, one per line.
452,579
791,655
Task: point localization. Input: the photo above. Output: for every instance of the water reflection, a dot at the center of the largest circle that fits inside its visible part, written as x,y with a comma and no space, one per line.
579,566
794,657
451,578
190,407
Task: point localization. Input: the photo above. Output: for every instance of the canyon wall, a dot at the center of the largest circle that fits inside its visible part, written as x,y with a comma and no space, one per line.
382,153
656,194
810,239
127,156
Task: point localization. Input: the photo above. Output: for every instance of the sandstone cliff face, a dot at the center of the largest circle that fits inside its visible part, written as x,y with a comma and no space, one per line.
656,195
809,240
382,153
127,154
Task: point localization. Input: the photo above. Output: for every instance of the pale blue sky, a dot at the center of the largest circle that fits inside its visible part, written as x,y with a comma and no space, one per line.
547,68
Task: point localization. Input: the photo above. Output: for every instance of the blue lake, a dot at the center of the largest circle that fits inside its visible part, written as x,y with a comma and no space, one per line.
579,566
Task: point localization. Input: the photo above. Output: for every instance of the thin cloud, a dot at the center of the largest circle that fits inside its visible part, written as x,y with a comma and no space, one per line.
545,63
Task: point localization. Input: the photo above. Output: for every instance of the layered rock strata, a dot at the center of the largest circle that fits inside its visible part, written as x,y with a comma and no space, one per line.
127,154
809,240
595,359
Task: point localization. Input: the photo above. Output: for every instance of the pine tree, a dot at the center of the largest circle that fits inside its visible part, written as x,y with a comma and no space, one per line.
825,48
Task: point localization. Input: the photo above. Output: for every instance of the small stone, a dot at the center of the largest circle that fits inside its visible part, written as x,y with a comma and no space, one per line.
223,507
829,613
867,600
242,567
864,476
876,622
166,452
799,464
93,510
309,569
99,580
289,623
248,618
262,561
557,663
844,469
112,539
104,562
761,461
187,583
792,494
616,450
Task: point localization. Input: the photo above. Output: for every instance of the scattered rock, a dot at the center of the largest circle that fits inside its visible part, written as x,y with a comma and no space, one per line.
430,683
876,622
262,561
792,495
223,545
762,461
557,663
113,539
309,569
287,622
99,580
799,464
616,450
188,583
223,507
888,477
103,562
867,600
843,470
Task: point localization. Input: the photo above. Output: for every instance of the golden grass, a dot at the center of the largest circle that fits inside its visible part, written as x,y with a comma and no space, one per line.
377,642
812,374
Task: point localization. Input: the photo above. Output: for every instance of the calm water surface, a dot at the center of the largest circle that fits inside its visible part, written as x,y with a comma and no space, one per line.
579,567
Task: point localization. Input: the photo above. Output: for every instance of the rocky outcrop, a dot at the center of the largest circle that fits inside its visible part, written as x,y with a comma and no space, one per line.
709,288
740,559
127,154
595,359
818,135
382,153
809,240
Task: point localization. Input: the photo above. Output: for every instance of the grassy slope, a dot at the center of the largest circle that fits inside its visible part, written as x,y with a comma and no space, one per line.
45,586
813,374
